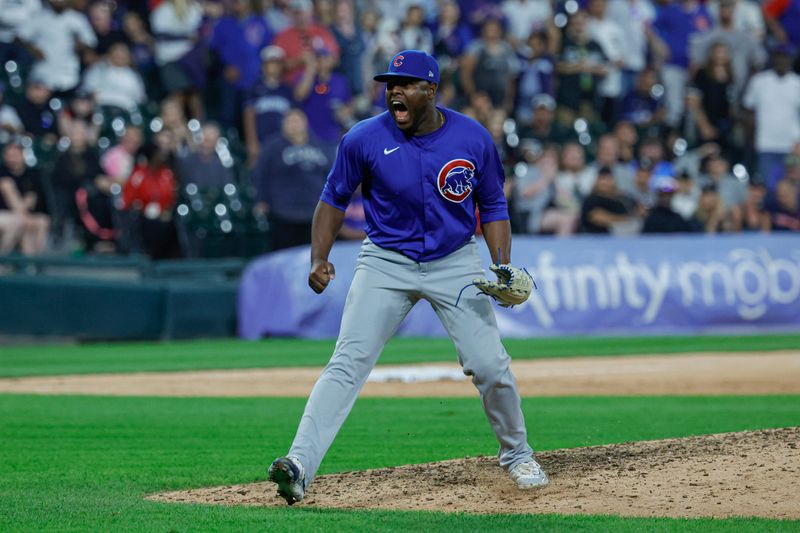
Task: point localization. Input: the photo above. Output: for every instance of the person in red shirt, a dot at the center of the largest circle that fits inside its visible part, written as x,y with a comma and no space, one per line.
149,194
304,35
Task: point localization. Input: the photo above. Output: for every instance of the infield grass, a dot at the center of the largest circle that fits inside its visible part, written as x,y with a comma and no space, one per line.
218,354
83,463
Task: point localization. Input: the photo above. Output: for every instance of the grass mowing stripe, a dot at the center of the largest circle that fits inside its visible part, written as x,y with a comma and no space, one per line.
231,353
83,463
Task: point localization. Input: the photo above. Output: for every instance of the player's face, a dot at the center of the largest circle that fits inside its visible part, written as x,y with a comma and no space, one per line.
409,100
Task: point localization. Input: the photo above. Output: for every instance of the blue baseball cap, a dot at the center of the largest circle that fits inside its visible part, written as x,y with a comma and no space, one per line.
411,64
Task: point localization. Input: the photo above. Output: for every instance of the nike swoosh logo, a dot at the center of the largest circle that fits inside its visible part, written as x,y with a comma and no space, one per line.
387,152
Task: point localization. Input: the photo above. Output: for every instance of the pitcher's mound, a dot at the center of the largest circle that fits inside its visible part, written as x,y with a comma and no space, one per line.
751,473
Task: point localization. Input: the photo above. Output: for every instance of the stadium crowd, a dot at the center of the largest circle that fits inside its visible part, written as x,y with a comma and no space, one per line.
159,126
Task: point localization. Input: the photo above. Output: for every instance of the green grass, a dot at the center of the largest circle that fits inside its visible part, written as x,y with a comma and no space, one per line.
214,354
83,463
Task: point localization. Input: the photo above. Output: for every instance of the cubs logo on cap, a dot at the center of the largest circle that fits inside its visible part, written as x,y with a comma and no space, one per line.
411,64
455,180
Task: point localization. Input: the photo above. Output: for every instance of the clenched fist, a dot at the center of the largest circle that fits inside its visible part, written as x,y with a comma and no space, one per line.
322,273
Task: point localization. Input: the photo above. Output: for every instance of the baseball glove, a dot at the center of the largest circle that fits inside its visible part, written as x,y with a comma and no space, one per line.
513,285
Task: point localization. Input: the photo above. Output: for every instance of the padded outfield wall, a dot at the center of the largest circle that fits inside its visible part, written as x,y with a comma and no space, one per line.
586,286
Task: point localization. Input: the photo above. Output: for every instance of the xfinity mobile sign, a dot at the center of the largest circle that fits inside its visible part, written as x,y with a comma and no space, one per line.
586,285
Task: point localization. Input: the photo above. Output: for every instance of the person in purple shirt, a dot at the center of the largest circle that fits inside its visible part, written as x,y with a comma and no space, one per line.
267,103
423,169
677,21
237,39
325,96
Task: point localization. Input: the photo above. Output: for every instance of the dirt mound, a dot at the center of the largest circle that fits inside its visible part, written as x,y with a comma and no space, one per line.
751,473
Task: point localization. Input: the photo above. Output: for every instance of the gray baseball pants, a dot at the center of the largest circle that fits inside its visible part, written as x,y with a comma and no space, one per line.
385,287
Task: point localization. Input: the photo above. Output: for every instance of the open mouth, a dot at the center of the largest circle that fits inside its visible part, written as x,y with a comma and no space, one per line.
399,110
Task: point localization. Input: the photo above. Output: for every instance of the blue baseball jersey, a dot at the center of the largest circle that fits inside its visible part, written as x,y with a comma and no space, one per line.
420,192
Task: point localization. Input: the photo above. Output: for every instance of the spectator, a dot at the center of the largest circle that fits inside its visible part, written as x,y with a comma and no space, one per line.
149,194
537,76
142,45
525,17
783,20
38,120
451,35
117,162
174,121
747,17
489,65
351,43
354,218
608,156
677,22
710,98
237,40
55,37
783,207
10,123
113,81
409,34
13,13
603,209
575,174
581,67
609,35
652,150
80,108
24,217
203,166
102,23
175,25
325,97
686,197
746,53
732,191
541,207
303,36
288,177
773,98
710,214
643,105
639,189
661,218
754,215
635,17
627,138
267,103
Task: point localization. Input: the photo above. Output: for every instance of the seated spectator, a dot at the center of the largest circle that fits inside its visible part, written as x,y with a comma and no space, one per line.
732,191
608,156
80,108
639,189
10,123
783,207
325,97
543,126
710,213
24,217
56,36
710,99
174,121
652,150
661,218
288,177
118,161
575,173
627,139
754,215
203,166
113,82
643,106
604,208
13,13
687,196
540,207
267,103
38,120
150,194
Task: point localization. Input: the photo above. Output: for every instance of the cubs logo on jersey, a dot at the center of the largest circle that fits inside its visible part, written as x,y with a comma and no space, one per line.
455,180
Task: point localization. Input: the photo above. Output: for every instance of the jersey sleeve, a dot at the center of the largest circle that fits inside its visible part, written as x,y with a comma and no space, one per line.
345,174
491,199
